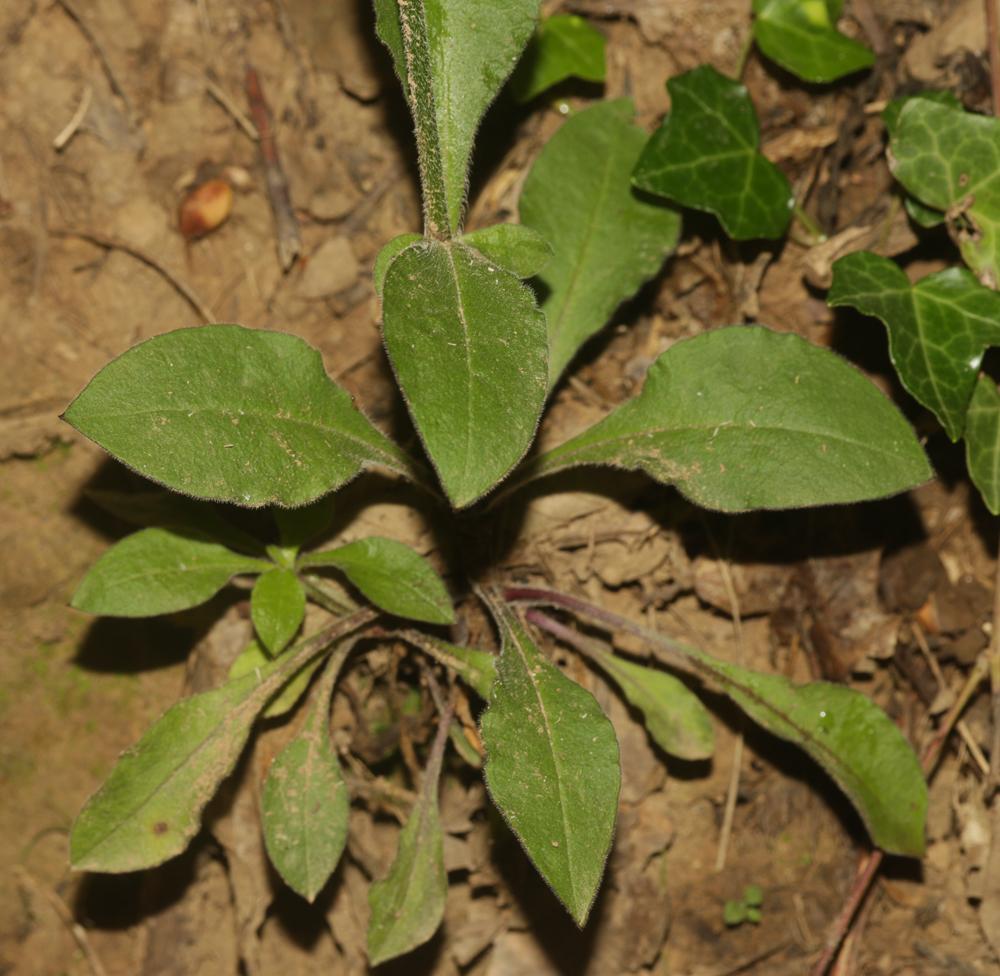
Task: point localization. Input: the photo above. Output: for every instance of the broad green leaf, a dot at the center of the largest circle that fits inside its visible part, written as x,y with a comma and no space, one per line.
950,161
150,806
552,767
392,576
802,37
514,247
563,46
461,54
859,746
982,442
254,658
231,414
476,668
673,715
705,155
744,418
608,240
157,571
388,254
938,328
468,348
277,607
304,803
407,905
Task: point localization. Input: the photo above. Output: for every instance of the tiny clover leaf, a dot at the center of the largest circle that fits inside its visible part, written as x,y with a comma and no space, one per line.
277,607
938,328
304,803
156,571
514,247
231,414
744,418
801,36
705,155
564,46
982,442
950,161
552,766
392,576
608,239
468,347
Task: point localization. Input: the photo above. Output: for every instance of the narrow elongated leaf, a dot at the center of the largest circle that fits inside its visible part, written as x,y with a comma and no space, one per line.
468,348
950,160
564,46
254,658
476,668
157,571
408,904
471,49
802,37
744,418
938,328
514,247
277,606
608,240
982,442
705,155
231,414
304,803
552,767
674,717
392,576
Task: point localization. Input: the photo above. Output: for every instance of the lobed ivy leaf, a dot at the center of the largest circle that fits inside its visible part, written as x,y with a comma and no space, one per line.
304,803
673,715
407,906
468,348
802,37
608,239
514,247
982,442
744,418
392,576
705,155
939,328
472,49
277,608
950,161
232,414
563,46
156,571
253,658
552,766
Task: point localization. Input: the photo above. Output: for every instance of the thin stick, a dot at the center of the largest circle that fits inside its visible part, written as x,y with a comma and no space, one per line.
117,244
220,96
61,141
993,42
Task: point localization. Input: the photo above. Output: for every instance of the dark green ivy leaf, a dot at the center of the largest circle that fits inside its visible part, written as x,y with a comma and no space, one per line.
563,46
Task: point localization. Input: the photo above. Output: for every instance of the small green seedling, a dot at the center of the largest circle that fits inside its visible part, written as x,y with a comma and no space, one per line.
747,909
737,418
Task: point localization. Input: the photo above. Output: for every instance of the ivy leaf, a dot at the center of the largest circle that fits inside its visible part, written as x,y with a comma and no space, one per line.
468,348
387,255
938,328
514,247
744,418
849,736
472,47
156,571
673,715
608,240
552,767
564,46
705,155
232,414
253,658
801,36
408,904
277,607
950,161
392,576
982,442
304,802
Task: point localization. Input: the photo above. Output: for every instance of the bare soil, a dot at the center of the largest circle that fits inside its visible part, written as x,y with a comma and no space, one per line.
846,594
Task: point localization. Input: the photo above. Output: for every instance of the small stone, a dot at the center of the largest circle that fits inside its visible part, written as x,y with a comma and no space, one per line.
331,204
330,270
